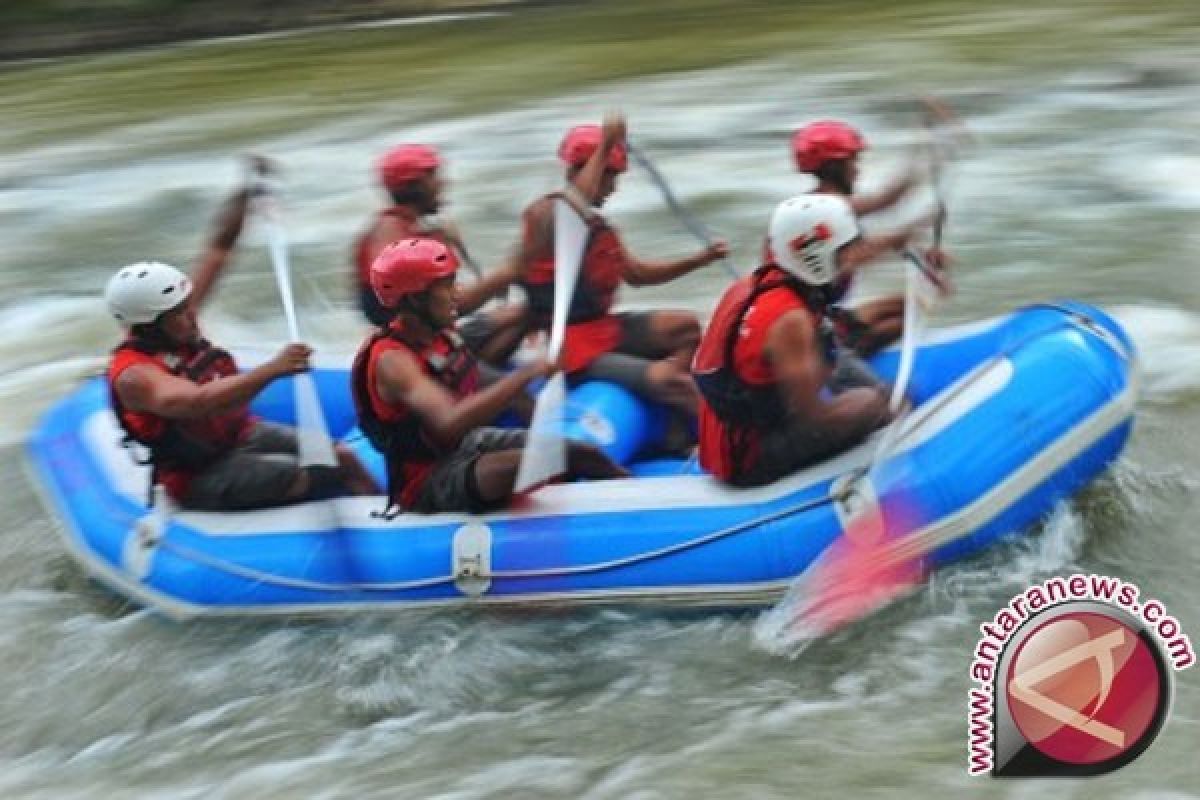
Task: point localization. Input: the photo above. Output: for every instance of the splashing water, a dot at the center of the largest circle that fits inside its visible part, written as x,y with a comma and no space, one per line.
865,569
1168,344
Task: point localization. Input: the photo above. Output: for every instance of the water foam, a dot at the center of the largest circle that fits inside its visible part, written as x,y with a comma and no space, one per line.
1168,344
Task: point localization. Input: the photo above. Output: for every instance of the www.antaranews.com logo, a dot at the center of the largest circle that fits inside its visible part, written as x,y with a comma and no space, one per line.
1074,678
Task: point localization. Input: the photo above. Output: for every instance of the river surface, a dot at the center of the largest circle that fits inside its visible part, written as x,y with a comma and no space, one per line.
1083,181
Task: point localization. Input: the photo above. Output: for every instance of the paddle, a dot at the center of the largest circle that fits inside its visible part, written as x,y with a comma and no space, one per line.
689,220
545,456
315,447
922,285
862,570
868,566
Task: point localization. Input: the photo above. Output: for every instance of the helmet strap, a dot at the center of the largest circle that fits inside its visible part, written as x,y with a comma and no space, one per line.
821,296
152,335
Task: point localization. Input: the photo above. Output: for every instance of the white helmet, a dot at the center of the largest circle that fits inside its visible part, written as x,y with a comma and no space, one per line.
806,232
137,294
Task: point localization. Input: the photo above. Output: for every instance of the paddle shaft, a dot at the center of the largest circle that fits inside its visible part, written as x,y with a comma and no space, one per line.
315,447
689,220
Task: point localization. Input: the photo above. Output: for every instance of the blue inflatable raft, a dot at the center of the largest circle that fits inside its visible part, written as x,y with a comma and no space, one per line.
1011,415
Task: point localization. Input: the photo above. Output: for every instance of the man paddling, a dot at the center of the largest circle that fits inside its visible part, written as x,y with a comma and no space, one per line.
647,352
778,393
828,150
186,402
419,399
411,176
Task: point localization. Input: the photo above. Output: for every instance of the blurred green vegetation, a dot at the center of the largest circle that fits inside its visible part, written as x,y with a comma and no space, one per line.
470,66
75,12
30,28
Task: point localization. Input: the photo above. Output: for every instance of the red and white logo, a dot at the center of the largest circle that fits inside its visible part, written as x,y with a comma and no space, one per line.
1071,686
1085,688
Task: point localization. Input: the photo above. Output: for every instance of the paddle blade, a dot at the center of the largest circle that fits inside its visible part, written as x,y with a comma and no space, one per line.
545,455
570,237
315,448
872,564
914,322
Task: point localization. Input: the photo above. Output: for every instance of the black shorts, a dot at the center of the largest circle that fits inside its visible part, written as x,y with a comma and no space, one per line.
799,444
627,365
256,474
452,485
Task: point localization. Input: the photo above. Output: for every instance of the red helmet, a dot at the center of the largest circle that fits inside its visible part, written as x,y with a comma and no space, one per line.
582,140
827,140
409,266
406,163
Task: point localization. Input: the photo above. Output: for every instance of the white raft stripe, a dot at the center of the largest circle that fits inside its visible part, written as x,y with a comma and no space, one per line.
101,438
1004,494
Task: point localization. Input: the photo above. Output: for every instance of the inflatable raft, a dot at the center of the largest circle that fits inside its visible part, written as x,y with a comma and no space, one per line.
1011,415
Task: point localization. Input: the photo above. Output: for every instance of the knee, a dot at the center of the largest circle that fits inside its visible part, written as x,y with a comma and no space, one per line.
892,306
299,489
690,333
683,330
345,457
510,315
668,377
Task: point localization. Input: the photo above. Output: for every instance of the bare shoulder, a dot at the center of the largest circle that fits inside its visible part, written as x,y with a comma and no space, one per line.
791,333
398,367
137,384
539,215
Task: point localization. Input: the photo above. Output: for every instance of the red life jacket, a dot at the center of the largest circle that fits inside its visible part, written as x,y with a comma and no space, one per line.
592,330
740,401
393,429
178,448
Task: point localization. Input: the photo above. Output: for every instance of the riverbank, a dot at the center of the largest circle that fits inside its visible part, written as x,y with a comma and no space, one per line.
45,29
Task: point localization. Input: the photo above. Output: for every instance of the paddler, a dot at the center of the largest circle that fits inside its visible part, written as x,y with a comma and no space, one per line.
419,398
646,352
778,393
185,400
829,150
411,176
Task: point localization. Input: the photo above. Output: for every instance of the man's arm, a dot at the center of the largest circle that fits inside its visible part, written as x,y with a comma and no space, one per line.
866,249
492,283
400,379
589,178
651,273
227,227
145,388
886,197
801,370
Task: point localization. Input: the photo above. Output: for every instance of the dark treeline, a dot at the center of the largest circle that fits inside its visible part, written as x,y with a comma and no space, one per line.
34,28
